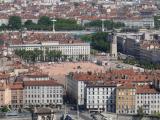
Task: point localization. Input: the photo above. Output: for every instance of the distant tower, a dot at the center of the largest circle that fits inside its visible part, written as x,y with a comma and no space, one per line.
113,47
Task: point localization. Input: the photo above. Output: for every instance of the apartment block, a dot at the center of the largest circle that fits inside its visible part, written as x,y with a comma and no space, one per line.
125,99
5,95
69,49
147,99
76,85
101,97
42,93
17,95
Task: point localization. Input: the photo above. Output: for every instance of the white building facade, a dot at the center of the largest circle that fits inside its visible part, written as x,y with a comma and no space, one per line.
42,93
76,89
148,101
92,97
74,50
101,98
140,23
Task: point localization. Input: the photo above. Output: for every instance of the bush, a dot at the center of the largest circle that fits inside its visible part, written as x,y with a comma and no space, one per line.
5,109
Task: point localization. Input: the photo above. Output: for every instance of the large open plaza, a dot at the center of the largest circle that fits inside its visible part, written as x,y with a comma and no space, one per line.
59,70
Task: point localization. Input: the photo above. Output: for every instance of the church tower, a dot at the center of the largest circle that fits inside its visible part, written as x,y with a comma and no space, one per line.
113,47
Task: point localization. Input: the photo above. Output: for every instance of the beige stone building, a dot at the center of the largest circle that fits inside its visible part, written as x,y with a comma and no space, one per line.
17,95
5,95
125,99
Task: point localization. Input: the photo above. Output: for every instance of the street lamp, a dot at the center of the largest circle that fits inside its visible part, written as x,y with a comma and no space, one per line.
103,24
53,25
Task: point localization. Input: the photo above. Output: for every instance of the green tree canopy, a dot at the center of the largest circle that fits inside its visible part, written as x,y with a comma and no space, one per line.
5,109
67,24
36,54
15,22
3,27
44,23
140,111
99,41
109,24
28,23
45,20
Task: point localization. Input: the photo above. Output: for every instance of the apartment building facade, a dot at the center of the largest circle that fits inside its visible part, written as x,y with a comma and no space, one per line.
17,95
42,93
125,99
74,50
147,99
138,23
76,90
5,95
101,97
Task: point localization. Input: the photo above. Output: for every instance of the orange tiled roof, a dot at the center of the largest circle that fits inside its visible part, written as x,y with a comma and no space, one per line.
16,86
41,83
37,74
126,86
146,89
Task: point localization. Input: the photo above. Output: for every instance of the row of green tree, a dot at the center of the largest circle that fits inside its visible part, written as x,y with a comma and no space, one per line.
39,55
109,24
141,63
67,24
99,41
44,23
